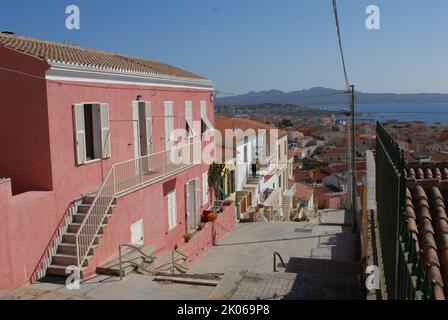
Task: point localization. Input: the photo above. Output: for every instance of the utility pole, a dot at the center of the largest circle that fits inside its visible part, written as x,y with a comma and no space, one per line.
354,197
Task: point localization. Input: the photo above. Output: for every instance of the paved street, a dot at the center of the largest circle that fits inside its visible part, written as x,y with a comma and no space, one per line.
251,246
247,248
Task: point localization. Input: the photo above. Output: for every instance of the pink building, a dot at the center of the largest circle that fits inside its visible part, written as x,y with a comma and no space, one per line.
84,136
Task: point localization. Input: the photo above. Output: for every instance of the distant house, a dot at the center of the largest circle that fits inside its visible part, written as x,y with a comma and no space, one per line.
329,198
335,155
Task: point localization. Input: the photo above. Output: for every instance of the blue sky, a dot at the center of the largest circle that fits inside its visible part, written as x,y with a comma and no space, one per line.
246,45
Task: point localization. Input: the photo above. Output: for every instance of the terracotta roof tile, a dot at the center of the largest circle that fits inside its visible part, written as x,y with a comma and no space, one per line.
426,212
57,52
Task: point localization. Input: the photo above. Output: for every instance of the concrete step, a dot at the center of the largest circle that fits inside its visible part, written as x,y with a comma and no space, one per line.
70,249
90,199
79,218
84,208
71,238
74,227
60,271
66,260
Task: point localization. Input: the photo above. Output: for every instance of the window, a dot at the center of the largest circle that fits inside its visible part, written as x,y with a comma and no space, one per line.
92,132
189,119
205,122
205,188
286,148
245,154
172,210
169,125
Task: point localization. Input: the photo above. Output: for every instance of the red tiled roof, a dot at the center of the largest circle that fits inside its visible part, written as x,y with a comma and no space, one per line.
223,123
426,211
304,192
64,53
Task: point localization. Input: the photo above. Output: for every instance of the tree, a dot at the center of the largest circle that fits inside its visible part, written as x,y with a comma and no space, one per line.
216,175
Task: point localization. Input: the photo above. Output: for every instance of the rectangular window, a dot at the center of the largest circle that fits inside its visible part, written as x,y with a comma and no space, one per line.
205,122
245,155
92,132
169,125
205,188
189,119
172,210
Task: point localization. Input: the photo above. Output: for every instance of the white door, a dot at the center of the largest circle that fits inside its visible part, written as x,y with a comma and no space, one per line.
137,234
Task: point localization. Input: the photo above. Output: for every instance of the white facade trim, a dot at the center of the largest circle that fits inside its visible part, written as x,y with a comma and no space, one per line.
67,72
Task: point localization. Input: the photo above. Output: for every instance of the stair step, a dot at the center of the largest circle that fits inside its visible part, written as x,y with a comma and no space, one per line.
67,260
84,208
70,249
71,238
79,218
74,227
60,271
90,199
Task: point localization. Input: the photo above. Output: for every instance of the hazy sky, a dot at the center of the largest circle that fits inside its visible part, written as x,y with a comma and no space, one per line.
246,45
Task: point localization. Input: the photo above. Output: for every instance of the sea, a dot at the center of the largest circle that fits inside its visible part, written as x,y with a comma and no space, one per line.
429,113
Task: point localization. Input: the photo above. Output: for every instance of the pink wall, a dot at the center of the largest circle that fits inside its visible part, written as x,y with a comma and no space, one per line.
151,205
24,134
203,240
33,165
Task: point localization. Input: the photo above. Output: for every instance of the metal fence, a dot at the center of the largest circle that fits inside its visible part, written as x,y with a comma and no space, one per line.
404,271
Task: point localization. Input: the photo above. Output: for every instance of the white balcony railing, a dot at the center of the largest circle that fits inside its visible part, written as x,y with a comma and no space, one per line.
126,176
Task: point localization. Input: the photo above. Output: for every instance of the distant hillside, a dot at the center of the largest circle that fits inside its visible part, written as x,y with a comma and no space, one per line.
307,97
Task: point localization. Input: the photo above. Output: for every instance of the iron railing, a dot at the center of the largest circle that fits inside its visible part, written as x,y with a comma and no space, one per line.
404,271
127,176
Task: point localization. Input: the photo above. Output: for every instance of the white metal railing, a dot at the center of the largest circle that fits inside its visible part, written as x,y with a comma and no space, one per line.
126,176
290,192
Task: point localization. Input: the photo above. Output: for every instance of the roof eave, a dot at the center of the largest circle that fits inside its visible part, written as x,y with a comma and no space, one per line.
75,72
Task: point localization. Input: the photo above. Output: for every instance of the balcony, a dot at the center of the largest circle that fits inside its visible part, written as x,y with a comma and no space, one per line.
147,170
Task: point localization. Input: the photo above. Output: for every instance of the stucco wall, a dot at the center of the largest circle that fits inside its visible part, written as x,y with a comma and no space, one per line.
36,214
24,134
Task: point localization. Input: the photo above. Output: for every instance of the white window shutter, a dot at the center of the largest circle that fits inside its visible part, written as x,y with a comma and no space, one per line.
174,208
204,116
187,196
205,187
148,116
197,195
189,116
80,134
105,131
169,125
170,214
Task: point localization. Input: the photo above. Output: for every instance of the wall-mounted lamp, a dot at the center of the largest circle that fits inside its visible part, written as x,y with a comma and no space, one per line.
139,97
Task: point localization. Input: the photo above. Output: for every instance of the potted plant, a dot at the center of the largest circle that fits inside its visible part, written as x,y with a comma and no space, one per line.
204,217
212,216
201,226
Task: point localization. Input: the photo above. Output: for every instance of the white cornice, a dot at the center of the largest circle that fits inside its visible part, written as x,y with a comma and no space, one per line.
70,72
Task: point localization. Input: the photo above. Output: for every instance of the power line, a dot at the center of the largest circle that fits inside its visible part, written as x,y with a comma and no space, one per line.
335,9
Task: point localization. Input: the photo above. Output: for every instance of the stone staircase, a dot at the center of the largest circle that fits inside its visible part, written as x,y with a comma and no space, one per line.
252,180
66,251
286,207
